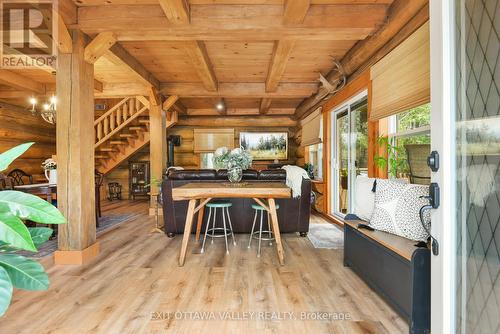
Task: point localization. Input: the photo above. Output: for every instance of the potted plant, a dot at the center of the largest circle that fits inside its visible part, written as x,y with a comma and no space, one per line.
50,168
17,270
234,161
309,168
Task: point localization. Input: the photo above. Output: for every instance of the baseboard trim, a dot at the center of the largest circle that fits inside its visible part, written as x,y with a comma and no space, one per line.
332,219
77,257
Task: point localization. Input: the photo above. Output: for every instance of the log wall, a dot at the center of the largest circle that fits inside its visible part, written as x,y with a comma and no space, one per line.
17,127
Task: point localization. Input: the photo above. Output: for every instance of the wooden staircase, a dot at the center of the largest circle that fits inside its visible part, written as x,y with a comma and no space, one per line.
120,132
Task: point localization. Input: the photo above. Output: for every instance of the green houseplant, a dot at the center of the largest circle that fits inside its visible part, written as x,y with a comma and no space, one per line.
17,270
394,160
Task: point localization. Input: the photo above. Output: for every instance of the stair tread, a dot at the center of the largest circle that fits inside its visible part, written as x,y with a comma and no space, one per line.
127,135
136,127
106,149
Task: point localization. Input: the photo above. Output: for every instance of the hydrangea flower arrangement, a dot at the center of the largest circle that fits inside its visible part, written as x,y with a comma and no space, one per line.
236,158
49,164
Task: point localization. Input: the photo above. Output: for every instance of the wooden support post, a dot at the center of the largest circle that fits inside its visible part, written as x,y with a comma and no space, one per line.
157,143
75,156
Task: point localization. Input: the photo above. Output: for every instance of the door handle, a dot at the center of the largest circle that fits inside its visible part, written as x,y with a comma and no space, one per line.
433,199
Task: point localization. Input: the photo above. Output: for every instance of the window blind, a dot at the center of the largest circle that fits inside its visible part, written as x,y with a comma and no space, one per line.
208,140
311,129
401,80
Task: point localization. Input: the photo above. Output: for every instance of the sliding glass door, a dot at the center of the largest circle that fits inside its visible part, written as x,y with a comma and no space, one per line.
349,154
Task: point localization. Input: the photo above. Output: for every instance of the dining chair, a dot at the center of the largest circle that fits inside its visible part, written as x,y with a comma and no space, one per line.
20,177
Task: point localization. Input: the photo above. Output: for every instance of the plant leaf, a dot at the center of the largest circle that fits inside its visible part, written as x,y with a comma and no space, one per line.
15,233
7,157
27,206
24,273
40,234
5,291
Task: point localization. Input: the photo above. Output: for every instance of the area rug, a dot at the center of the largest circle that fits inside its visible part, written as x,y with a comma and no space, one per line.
326,236
105,223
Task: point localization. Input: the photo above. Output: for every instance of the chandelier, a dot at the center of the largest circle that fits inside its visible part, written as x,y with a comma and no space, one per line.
48,110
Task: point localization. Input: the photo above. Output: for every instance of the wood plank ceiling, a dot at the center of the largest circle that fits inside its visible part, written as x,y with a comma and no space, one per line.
257,56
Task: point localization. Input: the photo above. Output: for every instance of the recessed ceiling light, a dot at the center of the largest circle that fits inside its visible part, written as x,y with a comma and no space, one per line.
220,106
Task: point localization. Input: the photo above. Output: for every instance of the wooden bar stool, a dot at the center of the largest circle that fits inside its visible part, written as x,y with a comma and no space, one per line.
258,234
213,206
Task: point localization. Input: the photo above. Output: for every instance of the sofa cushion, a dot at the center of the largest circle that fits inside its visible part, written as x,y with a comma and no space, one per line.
397,207
364,197
248,174
192,174
272,174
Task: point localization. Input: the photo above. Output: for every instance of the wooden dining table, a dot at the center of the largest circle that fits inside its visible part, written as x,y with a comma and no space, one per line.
200,193
44,189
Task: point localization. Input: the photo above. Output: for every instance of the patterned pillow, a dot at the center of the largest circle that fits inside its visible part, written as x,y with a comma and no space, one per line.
397,209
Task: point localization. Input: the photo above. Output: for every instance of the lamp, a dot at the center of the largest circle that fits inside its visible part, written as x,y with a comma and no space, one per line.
48,111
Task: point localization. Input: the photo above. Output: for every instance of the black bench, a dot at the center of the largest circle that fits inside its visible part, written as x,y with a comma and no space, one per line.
395,267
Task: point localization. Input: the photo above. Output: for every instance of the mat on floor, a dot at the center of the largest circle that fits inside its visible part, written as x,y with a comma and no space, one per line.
326,236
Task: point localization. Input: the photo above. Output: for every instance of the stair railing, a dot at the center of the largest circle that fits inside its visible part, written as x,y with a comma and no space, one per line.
116,118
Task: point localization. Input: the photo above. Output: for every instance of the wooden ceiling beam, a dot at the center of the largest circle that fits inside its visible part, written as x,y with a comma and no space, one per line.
98,86
18,81
232,2
170,102
197,52
116,90
281,54
401,14
240,90
265,22
177,11
154,96
118,55
265,104
64,40
180,108
99,46
295,11
236,121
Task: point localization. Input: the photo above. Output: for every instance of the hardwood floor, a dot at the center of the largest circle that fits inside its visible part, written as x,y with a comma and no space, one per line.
136,286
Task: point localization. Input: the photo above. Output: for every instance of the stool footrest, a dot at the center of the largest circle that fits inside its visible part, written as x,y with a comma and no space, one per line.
227,231
255,235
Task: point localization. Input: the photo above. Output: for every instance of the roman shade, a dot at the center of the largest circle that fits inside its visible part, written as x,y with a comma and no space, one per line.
401,80
311,129
208,140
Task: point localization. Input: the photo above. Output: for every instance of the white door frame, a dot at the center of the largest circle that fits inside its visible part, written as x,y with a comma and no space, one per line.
346,105
442,46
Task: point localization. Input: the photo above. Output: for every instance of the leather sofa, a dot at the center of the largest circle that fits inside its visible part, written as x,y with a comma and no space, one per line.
293,214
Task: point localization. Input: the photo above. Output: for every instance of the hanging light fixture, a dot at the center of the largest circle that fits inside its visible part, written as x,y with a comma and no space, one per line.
48,110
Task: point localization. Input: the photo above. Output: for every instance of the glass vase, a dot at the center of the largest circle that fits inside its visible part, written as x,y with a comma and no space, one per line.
235,174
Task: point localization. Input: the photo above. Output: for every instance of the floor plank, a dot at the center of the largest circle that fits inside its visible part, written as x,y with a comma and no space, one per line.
136,286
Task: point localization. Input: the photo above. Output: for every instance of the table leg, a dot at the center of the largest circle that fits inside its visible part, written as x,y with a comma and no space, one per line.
276,230
200,221
187,231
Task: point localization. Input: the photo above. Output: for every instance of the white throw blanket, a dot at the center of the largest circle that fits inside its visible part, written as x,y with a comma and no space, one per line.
294,176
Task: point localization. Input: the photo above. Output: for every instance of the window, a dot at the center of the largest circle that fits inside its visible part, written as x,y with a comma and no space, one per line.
315,158
314,153
206,160
409,127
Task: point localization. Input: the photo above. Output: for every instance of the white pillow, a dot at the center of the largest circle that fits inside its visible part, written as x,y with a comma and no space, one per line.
364,197
397,207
